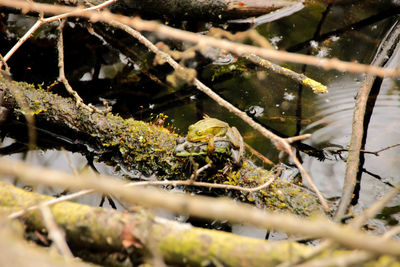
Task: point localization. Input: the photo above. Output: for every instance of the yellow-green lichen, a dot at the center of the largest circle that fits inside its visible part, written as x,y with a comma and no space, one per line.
317,87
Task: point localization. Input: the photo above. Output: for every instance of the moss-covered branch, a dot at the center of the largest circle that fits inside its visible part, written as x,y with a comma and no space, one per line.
136,145
110,230
139,232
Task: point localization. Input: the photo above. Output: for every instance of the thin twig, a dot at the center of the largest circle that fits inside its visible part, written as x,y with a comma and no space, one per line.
259,155
392,232
2,61
55,233
260,40
193,177
203,184
375,208
376,153
17,214
61,75
354,258
26,36
356,223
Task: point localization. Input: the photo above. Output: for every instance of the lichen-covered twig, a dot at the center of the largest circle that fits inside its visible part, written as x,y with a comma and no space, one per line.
317,87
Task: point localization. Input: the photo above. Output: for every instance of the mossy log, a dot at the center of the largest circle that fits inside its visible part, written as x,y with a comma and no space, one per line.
136,145
100,229
139,235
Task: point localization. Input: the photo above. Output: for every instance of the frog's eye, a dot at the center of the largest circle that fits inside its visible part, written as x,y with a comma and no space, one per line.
199,132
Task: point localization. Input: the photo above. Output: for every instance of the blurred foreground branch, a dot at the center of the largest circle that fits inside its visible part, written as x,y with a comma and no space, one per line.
140,232
202,207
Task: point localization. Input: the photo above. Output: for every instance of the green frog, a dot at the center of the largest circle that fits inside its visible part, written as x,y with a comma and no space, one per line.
210,137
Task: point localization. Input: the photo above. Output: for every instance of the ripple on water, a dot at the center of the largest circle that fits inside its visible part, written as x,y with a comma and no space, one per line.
331,126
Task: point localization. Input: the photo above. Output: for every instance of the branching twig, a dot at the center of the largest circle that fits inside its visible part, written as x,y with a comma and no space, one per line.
375,208
60,47
280,143
257,38
356,223
42,21
61,75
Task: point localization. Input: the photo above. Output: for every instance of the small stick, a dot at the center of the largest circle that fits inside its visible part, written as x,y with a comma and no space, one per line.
259,155
55,233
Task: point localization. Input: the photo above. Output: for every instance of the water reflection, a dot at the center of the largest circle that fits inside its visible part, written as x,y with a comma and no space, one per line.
333,126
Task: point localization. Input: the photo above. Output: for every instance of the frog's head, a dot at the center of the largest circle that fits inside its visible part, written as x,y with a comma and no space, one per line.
205,129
